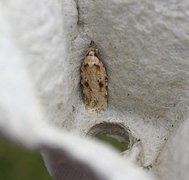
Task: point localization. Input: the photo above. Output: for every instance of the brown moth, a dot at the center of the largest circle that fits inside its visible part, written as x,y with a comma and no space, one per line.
94,82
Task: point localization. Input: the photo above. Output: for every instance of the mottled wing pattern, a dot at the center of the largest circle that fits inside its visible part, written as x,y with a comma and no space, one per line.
94,82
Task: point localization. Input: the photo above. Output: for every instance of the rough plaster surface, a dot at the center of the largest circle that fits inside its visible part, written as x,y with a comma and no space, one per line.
175,154
144,46
146,55
22,120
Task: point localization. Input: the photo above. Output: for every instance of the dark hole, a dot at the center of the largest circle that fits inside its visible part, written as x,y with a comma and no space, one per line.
112,134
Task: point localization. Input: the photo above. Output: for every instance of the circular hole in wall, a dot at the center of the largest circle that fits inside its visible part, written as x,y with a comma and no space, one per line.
113,134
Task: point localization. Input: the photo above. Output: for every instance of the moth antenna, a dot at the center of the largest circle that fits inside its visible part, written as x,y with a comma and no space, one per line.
92,44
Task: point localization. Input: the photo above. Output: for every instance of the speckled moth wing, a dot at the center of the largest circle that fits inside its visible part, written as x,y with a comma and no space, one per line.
94,82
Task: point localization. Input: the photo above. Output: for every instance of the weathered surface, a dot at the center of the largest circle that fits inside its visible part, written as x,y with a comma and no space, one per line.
146,56
22,119
173,162
144,46
94,82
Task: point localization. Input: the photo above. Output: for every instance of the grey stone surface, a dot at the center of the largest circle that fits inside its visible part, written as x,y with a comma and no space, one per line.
144,46
173,161
67,156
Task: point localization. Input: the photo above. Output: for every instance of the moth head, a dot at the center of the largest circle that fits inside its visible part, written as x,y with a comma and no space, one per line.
91,52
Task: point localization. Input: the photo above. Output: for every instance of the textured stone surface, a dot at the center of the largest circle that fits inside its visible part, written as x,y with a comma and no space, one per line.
22,120
173,161
144,46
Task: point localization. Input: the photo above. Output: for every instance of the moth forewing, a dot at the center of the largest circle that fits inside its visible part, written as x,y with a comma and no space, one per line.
94,82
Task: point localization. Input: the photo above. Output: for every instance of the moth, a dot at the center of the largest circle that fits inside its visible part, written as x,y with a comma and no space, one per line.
94,82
